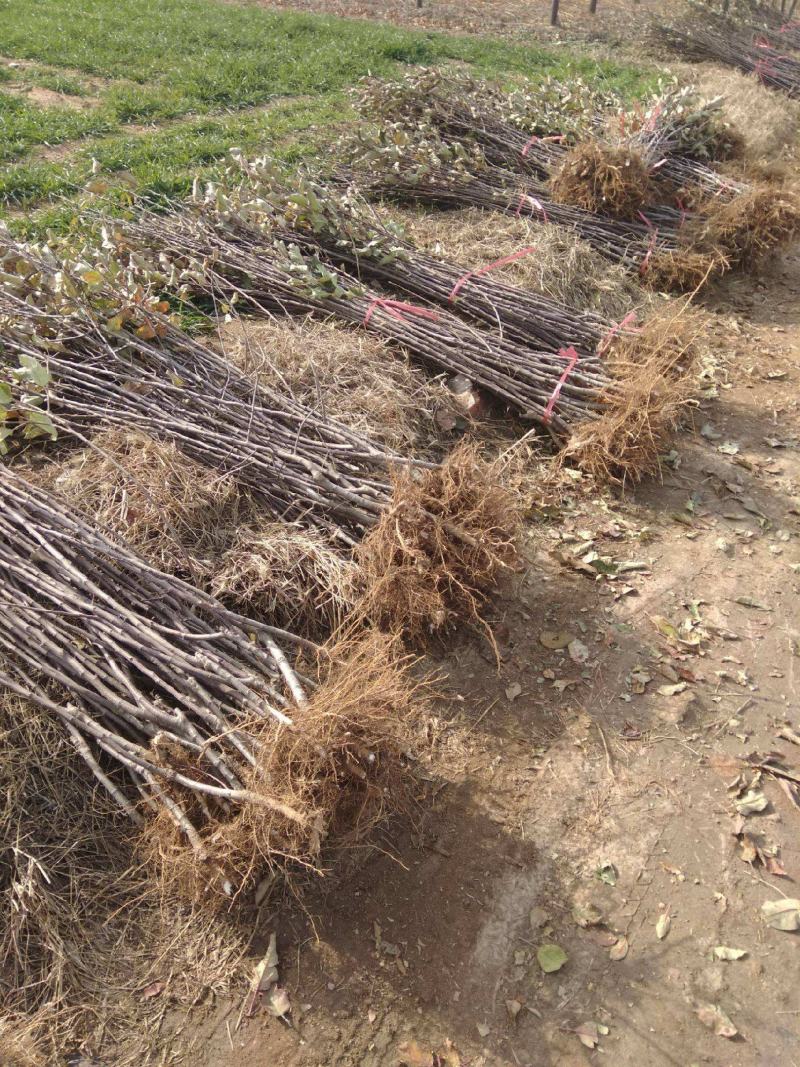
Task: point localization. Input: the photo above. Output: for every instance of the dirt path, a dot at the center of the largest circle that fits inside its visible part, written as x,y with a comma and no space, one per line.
555,779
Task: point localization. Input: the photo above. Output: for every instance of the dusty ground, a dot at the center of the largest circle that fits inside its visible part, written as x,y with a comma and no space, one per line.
552,779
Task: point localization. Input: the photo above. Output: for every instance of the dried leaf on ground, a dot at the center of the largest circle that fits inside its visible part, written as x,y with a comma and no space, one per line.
722,952
607,873
782,914
671,690
555,639
551,958
712,1016
589,1034
753,801
586,915
663,925
578,652
619,950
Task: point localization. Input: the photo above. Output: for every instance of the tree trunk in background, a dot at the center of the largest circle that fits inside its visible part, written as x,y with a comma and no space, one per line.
592,7
554,13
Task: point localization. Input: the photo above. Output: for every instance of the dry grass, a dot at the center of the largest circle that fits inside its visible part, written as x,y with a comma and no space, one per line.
172,511
767,121
563,267
604,179
83,931
277,571
449,536
752,225
193,522
348,375
656,375
328,780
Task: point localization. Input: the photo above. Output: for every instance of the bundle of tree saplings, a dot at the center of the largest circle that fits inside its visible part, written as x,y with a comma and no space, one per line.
412,164
337,224
227,259
194,719
142,372
648,167
261,276
702,38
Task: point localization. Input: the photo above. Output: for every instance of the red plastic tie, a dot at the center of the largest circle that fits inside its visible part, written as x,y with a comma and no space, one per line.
645,220
397,309
571,355
489,266
534,204
535,138
615,329
682,208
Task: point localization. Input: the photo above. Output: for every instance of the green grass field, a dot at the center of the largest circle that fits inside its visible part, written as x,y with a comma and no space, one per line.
196,77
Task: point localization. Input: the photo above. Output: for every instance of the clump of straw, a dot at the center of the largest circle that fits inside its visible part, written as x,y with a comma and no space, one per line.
655,378
347,375
281,573
447,538
336,774
83,927
604,179
148,494
562,266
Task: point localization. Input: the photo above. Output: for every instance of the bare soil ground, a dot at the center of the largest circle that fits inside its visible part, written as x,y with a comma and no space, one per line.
555,786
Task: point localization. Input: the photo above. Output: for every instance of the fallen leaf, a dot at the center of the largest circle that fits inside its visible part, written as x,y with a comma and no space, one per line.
413,1055
153,990
607,873
555,639
790,790
722,952
513,691
588,1034
712,1016
551,958
619,950
513,1007
729,448
665,628
663,925
773,866
578,652
586,915
265,975
782,914
749,602
278,1002
483,1029
671,690
752,802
